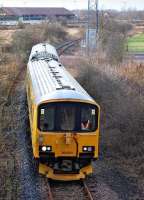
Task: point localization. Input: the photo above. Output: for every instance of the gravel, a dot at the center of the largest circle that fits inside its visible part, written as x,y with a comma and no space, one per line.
68,190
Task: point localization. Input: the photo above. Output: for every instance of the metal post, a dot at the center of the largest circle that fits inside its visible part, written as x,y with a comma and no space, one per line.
88,27
97,17
92,6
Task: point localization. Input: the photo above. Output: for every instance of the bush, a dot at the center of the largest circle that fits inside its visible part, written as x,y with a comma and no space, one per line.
23,40
21,25
115,48
113,38
122,109
54,33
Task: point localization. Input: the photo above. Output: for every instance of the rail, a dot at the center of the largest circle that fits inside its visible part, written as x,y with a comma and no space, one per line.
66,45
86,190
50,192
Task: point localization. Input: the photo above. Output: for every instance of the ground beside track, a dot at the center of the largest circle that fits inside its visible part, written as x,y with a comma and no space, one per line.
20,178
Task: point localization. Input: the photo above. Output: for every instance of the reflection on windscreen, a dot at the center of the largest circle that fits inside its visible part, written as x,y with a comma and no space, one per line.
64,116
47,118
88,120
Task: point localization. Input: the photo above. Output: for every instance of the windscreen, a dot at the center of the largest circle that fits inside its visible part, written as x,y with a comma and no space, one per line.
68,116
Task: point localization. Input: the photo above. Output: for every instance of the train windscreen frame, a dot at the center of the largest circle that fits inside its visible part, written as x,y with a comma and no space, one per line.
67,117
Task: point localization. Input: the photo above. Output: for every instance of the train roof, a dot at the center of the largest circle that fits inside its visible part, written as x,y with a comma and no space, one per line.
50,81
43,50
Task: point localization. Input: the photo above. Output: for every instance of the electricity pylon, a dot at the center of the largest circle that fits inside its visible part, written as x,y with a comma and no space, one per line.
93,22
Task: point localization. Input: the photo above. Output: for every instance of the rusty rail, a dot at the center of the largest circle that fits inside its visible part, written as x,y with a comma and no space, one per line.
87,191
66,45
49,192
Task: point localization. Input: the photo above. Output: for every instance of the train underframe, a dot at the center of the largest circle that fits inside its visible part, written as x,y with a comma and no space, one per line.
65,168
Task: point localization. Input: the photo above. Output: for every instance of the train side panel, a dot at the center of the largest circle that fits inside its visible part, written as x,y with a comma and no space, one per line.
32,111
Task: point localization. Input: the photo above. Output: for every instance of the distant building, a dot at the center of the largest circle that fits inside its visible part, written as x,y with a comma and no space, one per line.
12,15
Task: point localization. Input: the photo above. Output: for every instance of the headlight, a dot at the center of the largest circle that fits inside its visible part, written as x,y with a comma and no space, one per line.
48,148
44,148
88,148
85,148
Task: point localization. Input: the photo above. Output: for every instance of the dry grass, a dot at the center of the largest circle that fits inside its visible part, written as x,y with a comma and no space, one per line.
7,76
133,72
6,36
75,32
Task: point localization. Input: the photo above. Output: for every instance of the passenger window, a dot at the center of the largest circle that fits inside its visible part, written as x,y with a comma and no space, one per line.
88,118
47,118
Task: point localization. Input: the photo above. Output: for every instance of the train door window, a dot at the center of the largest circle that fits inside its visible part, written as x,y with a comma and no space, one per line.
88,118
47,115
66,117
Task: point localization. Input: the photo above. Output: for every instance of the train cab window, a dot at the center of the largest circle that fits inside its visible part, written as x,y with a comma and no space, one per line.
88,118
47,118
67,116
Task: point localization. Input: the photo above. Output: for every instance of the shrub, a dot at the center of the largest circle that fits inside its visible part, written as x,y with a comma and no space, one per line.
23,40
54,33
115,48
122,109
112,38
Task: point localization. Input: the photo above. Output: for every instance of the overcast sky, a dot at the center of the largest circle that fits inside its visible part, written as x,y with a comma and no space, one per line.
77,4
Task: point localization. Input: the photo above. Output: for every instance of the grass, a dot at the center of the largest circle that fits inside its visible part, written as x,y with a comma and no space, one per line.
136,43
132,72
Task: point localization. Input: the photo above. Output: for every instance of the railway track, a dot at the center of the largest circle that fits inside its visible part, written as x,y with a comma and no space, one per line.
87,191
66,45
82,192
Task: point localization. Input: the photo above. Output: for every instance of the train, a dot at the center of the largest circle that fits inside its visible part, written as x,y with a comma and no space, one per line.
64,118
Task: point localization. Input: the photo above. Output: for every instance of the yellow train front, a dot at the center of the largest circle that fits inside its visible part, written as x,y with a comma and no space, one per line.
64,119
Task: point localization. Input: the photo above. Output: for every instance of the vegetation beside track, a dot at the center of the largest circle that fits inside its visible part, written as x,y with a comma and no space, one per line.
119,91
